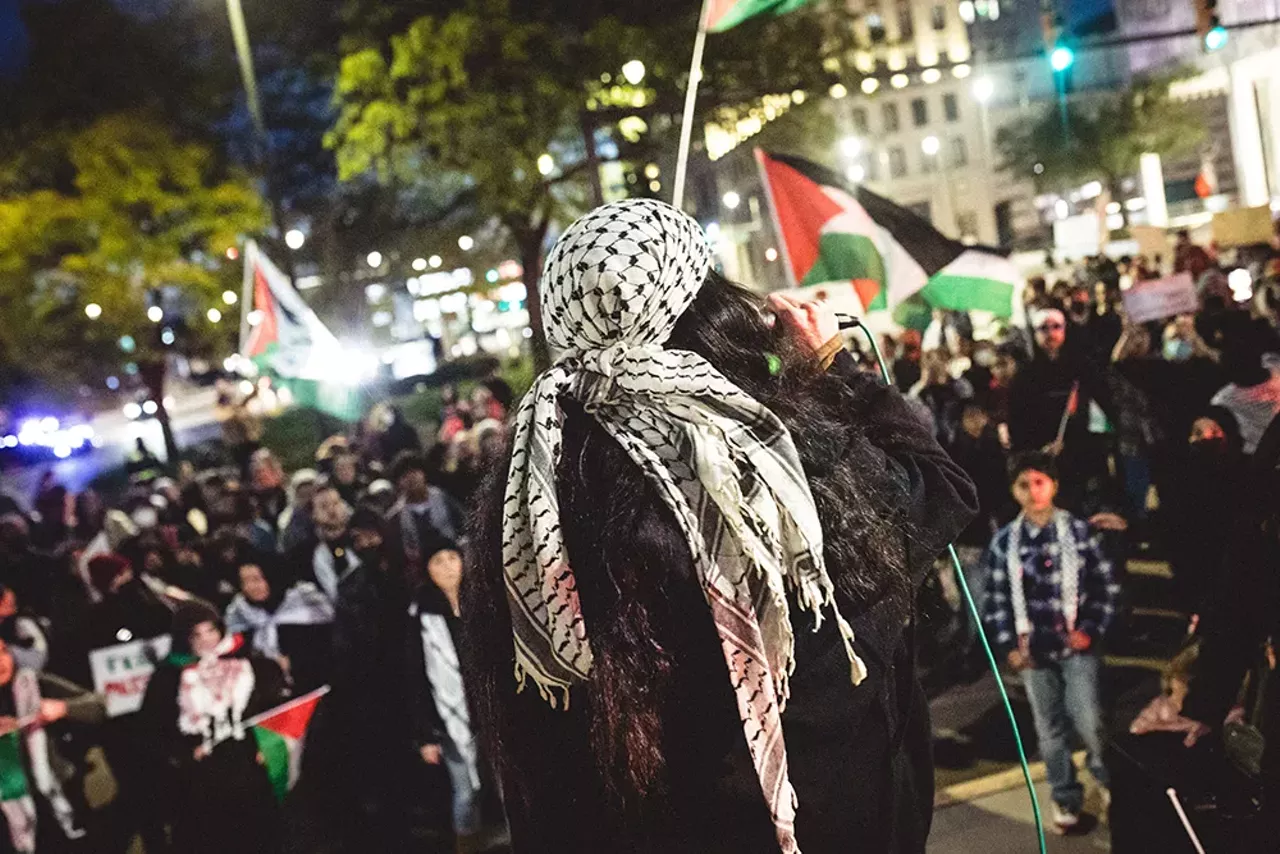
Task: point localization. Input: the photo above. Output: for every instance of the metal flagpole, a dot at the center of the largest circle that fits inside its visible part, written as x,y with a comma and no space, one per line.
690,103
250,257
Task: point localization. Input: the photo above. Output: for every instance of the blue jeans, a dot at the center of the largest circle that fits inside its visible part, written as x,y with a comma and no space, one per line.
1064,697
466,797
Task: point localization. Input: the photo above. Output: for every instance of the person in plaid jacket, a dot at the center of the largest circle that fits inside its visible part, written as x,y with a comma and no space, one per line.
1051,596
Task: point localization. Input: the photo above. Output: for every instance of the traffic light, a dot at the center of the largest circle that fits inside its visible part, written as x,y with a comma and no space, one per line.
1061,56
1212,34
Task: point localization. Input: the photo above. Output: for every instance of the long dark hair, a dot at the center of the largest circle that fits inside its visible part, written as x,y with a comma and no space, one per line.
627,550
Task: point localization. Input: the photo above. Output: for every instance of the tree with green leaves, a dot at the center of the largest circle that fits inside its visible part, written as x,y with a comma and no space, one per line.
1101,139
499,106
120,215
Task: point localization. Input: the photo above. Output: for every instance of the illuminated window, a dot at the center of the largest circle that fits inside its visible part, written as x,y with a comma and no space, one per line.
951,107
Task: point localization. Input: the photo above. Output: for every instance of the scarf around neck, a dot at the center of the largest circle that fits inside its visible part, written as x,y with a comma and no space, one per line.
1068,565
727,468
303,605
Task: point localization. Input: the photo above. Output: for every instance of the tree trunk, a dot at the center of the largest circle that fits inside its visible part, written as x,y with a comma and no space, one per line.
530,243
153,373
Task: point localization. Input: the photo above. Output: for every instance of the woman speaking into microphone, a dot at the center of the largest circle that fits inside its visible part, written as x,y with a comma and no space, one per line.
688,605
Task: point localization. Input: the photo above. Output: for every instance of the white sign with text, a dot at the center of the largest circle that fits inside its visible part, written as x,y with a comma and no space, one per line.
121,672
1161,298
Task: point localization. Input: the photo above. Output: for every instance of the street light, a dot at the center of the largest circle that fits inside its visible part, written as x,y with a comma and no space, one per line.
930,146
374,259
436,262
870,85
155,314
230,297
899,81
294,238
546,165
856,173
465,243
419,264
850,146
838,91
1061,58
633,72
983,89
93,311
732,200
214,315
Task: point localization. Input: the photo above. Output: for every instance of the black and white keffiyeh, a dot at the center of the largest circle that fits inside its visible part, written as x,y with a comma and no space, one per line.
613,288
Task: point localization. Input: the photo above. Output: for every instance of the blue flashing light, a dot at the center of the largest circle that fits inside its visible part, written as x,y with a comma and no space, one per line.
1061,58
1216,38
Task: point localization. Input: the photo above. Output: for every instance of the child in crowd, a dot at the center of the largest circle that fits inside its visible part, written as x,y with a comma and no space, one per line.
1050,599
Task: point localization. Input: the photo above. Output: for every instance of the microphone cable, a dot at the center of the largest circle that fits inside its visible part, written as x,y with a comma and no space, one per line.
849,322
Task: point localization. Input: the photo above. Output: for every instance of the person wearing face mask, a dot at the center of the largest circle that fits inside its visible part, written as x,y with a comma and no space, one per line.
1200,504
196,709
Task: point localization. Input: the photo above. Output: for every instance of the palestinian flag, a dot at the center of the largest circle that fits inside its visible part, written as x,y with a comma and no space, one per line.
287,337
834,235
280,734
726,14
16,803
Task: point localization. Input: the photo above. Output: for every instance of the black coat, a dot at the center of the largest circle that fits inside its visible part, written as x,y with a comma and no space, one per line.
859,756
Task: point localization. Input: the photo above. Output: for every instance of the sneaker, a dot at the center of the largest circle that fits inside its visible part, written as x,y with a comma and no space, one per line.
1064,821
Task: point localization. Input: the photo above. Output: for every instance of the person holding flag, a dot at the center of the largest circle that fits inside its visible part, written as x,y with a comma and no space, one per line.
199,706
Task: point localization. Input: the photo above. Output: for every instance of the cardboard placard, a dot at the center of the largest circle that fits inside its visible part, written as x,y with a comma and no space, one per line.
1152,241
1243,227
1161,298
1078,236
121,672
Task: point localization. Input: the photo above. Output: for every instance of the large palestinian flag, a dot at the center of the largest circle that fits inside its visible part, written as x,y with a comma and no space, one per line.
285,338
726,14
833,234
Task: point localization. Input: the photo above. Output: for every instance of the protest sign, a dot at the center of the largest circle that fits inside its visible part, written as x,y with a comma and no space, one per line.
1243,226
121,672
1161,298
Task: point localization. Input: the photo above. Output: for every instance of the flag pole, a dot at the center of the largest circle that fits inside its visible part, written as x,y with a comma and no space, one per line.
294,703
690,103
246,292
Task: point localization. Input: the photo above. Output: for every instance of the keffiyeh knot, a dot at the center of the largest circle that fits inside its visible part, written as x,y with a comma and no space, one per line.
724,465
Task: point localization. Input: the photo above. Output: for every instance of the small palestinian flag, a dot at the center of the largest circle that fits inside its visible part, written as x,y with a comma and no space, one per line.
16,803
280,734
726,14
286,336
833,235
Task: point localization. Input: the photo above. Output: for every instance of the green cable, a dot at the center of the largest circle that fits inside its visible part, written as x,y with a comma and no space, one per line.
986,645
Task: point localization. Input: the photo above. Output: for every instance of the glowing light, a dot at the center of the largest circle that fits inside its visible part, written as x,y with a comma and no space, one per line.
546,164
419,264
851,146
870,85
732,200
1091,190
155,314
838,91
49,424
166,337
856,173
1241,283
633,72
1113,207
771,254
967,11
294,238
798,97
113,382
1061,209
465,243
246,387
1216,38
232,253
230,297
435,261
150,407
930,145
374,259
713,232
1061,58
93,311
255,317
62,452
960,72
1136,204
491,277
655,186
983,89
652,171
214,315
931,75
899,81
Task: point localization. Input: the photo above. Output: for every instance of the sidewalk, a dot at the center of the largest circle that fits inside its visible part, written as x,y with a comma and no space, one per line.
1000,822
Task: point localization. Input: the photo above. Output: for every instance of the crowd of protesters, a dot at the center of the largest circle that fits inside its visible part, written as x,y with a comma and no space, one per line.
1087,437
267,585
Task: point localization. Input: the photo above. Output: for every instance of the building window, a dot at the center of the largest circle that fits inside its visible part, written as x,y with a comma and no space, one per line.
875,27
892,122
939,17
906,24
873,166
967,224
959,152
919,112
860,124
897,162
928,163
951,107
